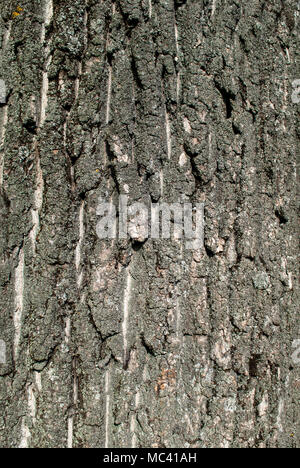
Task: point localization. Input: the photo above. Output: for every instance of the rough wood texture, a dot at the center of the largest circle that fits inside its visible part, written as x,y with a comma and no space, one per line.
127,344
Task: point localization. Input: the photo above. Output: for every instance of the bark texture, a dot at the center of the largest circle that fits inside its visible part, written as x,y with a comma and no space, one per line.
148,344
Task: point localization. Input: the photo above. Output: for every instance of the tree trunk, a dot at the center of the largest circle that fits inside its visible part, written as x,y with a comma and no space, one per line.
143,342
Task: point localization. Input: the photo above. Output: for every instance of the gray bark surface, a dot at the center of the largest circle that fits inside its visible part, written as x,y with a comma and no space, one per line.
147,344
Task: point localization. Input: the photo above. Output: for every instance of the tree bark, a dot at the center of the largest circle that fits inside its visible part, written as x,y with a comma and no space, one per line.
120,343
